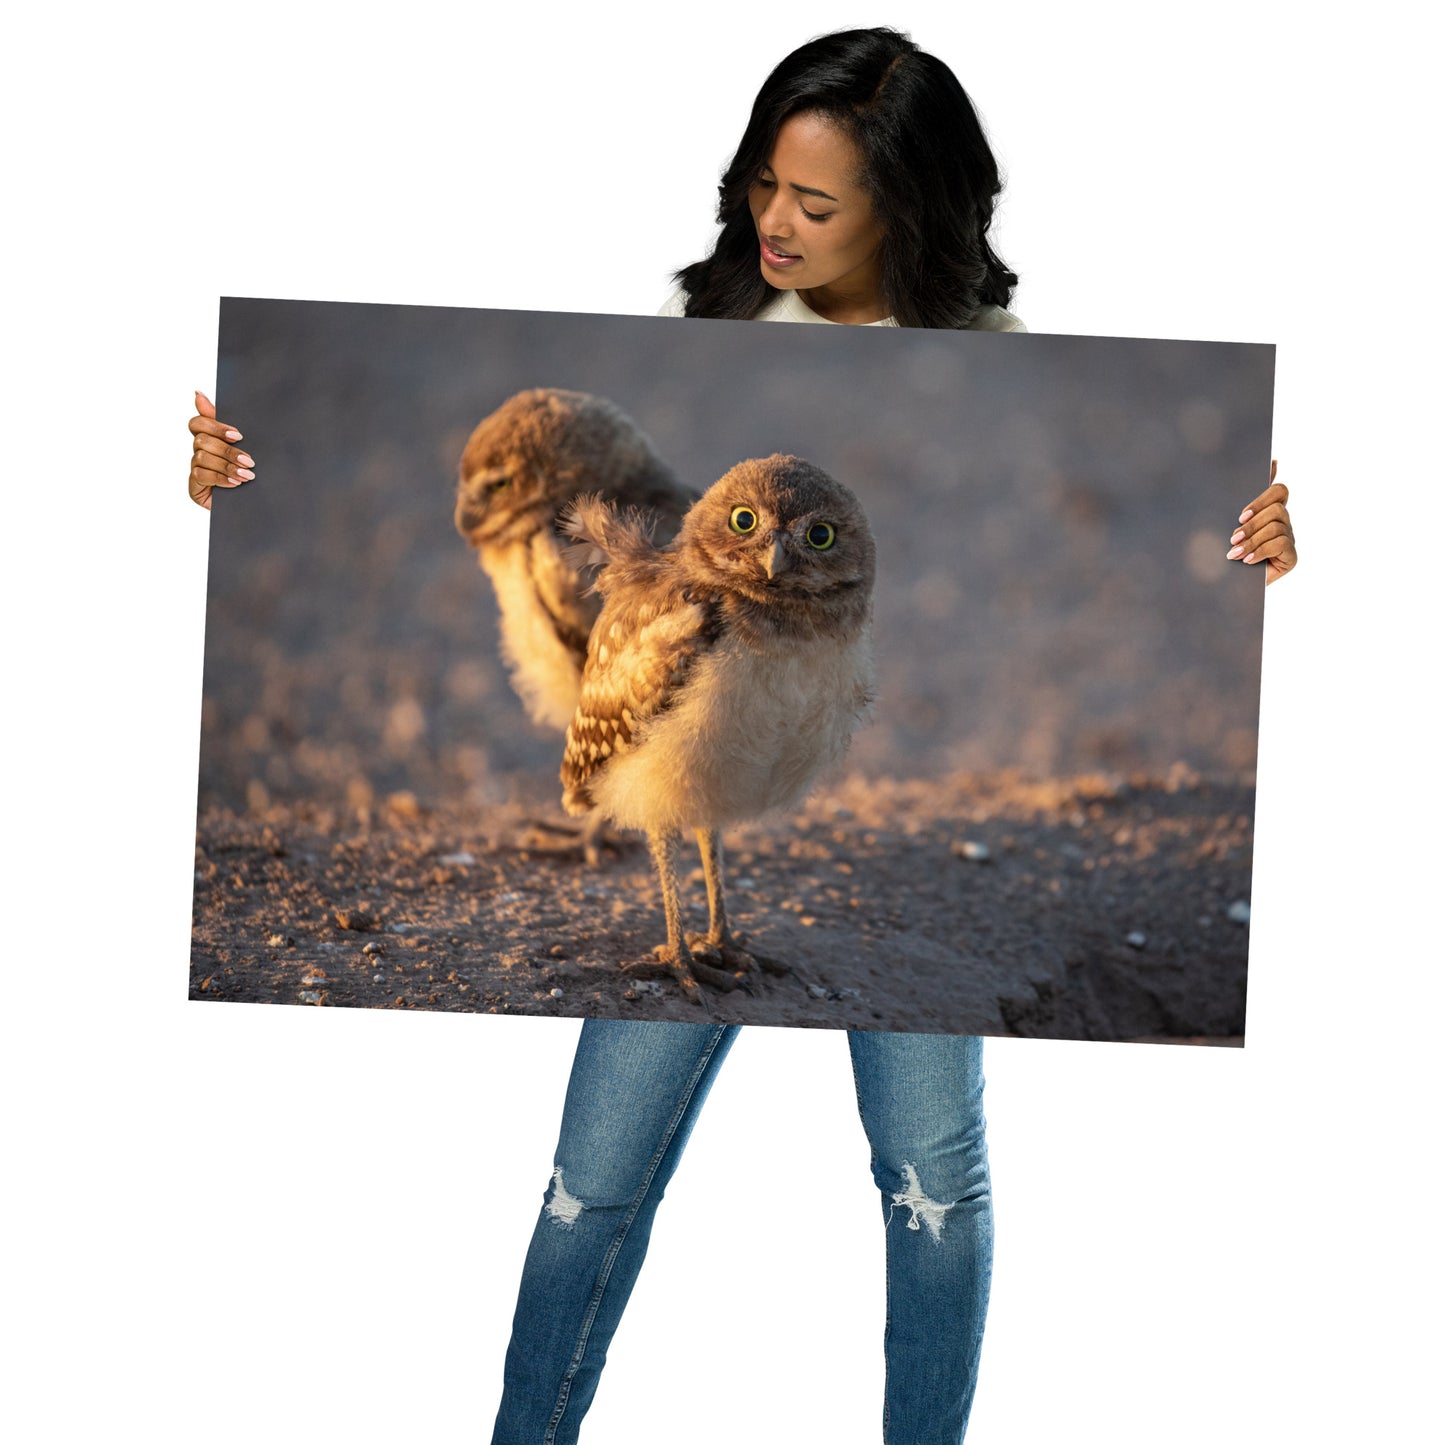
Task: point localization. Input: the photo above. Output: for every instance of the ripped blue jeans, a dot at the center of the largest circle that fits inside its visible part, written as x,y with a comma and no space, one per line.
635,1092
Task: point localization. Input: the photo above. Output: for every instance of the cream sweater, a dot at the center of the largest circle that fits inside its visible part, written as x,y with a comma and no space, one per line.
789,306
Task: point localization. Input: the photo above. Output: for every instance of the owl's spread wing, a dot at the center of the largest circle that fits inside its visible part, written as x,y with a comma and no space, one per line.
638,660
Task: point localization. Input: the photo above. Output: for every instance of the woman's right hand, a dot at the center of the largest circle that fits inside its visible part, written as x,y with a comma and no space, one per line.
215,463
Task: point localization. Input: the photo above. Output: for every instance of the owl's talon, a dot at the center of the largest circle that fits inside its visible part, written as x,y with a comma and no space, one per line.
735,958
688,966
661,967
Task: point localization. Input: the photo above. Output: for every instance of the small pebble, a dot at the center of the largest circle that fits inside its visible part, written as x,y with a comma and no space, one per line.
377,977
833,995
1238,911
556,993
373,948
974,852
276,940
1135,939
310,996
458,860
397,927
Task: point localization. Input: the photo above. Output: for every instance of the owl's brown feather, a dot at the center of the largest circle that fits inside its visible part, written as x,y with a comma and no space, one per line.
641,650
522,466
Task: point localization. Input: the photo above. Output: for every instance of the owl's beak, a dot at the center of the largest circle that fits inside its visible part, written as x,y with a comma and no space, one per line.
776,560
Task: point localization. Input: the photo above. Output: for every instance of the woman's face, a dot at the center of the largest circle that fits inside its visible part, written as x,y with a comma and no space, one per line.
816,226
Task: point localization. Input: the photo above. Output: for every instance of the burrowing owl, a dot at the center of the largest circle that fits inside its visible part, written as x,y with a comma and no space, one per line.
724,671
522,465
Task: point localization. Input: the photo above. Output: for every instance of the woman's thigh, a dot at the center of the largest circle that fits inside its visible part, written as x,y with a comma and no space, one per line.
635,1091
921,1100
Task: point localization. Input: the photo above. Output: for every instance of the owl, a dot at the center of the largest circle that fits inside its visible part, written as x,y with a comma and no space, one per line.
522,465
724,672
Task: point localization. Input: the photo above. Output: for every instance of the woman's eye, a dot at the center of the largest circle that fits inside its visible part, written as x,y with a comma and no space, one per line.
815,215
743,520
821,536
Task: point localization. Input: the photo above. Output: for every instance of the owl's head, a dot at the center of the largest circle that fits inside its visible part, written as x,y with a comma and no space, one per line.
785,536
541,448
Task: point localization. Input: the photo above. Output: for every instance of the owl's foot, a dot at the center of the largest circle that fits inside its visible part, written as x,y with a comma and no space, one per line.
542,835
731,955
659,967
687,966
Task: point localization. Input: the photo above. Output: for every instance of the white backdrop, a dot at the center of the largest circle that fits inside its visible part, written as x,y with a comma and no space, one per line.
235,1223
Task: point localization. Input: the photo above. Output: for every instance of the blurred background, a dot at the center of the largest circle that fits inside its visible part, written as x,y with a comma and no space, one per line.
1052,514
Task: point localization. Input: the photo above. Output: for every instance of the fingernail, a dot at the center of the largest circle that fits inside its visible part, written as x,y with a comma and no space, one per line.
244,475
246,461
232,435
1233,553
1238,536
1250,558
1246,514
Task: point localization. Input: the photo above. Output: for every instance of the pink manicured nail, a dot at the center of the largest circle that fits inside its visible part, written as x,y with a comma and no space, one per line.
1233,553
244,475
246,461
232,435
1238,536
1250,558
1246,514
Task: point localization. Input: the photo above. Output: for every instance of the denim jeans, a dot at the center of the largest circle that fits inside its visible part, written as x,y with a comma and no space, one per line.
635,1092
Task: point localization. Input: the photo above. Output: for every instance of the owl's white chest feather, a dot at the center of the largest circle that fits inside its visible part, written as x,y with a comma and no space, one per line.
543,670
749,732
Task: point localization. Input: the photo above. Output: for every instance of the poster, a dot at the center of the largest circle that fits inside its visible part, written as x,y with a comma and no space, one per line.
1043,826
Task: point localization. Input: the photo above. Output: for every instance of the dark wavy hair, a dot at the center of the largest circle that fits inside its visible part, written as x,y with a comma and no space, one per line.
928,170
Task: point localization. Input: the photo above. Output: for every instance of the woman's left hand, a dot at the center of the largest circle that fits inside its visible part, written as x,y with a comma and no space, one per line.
1264,533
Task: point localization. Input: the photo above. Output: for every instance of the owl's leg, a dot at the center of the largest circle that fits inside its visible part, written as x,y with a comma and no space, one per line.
719,938
592,830
675,951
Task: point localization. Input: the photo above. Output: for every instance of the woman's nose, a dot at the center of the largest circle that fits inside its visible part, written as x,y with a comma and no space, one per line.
774,221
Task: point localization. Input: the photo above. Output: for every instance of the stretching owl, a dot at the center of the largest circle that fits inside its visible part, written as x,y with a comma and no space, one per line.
724,672
522,465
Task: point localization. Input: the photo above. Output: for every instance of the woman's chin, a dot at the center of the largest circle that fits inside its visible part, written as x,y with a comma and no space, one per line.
778,282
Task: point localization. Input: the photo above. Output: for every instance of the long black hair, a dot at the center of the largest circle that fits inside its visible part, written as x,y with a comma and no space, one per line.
928,170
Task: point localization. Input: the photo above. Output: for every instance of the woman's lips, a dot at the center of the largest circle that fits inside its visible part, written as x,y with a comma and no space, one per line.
779,259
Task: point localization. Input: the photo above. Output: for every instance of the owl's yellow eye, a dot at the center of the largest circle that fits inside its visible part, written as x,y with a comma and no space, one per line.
821,536
743,520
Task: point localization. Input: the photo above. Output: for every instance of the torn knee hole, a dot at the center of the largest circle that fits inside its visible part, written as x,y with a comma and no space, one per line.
925,1213
562,1208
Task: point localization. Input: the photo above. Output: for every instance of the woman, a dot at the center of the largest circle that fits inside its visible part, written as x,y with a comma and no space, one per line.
861,194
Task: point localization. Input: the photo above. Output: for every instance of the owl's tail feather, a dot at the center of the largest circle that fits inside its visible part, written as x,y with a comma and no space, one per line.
606,537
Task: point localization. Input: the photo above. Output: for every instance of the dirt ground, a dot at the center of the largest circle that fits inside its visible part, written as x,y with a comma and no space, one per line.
1095,908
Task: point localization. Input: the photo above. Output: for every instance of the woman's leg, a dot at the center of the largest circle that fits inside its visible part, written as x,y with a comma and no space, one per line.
921,1100
634,1094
